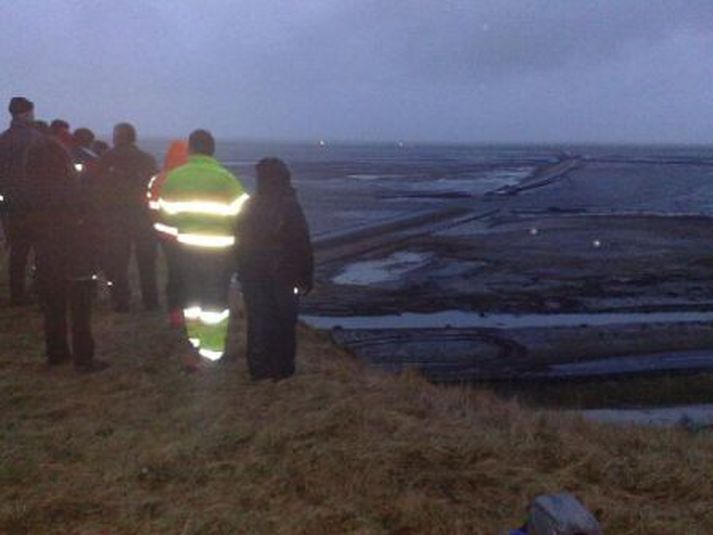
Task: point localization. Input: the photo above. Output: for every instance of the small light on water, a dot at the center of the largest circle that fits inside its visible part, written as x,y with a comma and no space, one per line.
534,232
322,143
597,243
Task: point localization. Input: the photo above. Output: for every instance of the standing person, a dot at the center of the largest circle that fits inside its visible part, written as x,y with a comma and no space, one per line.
59,128
275,266
60,228
42,127
14,143
176,156
84,158
198,205
123,175
100,147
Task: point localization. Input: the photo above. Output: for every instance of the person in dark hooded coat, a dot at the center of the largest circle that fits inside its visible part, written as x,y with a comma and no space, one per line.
275,267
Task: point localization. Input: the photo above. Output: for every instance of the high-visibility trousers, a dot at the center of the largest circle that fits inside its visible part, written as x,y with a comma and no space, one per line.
206,275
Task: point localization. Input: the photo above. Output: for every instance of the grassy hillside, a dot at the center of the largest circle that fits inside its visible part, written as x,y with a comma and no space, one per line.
147,448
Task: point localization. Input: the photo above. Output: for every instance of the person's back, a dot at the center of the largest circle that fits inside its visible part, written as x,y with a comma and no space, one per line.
274,238
85,159
123,174
14,143
200,201
198,205
58,222
13,152
275,266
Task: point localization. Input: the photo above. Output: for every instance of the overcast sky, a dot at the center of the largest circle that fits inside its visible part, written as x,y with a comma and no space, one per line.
420,70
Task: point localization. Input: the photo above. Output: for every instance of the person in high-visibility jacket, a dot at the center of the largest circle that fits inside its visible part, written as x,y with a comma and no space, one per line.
198,205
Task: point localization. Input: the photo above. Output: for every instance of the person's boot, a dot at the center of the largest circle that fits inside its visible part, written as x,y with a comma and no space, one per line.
91,366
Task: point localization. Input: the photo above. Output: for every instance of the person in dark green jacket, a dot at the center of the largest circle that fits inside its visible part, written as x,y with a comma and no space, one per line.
198,204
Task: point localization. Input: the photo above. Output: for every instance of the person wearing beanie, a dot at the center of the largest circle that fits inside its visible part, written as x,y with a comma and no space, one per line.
275,267
14,143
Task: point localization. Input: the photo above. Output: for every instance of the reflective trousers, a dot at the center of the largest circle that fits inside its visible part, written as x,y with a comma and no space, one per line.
205,275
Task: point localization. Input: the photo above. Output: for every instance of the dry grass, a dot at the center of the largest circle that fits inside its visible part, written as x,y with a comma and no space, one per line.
146,448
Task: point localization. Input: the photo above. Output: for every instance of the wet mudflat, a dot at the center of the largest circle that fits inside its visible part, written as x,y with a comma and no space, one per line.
598,264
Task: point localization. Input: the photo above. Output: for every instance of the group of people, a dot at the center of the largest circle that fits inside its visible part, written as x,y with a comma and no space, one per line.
83,206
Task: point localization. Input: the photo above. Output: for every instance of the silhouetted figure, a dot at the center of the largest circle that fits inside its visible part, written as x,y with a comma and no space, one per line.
100,147
59,128
42,127
123,174
59,222
14,143
275,266
84,158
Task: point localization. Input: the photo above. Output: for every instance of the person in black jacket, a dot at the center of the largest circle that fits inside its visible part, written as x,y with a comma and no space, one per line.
13,149
123,174
58,219
275,267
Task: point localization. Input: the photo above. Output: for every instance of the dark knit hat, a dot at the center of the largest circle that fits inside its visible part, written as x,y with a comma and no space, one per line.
20,105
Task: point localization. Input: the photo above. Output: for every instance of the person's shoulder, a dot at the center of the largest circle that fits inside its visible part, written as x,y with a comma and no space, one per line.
146,155
178,174
226,173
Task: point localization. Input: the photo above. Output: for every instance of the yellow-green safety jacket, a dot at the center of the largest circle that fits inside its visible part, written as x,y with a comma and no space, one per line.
199,202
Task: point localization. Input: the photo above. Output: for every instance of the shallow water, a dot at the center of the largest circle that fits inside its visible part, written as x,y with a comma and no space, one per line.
463,319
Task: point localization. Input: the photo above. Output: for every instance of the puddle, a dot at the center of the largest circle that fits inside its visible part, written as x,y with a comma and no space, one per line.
383,270
376,272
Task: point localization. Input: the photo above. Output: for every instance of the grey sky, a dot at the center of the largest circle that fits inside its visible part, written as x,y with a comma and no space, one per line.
438,70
